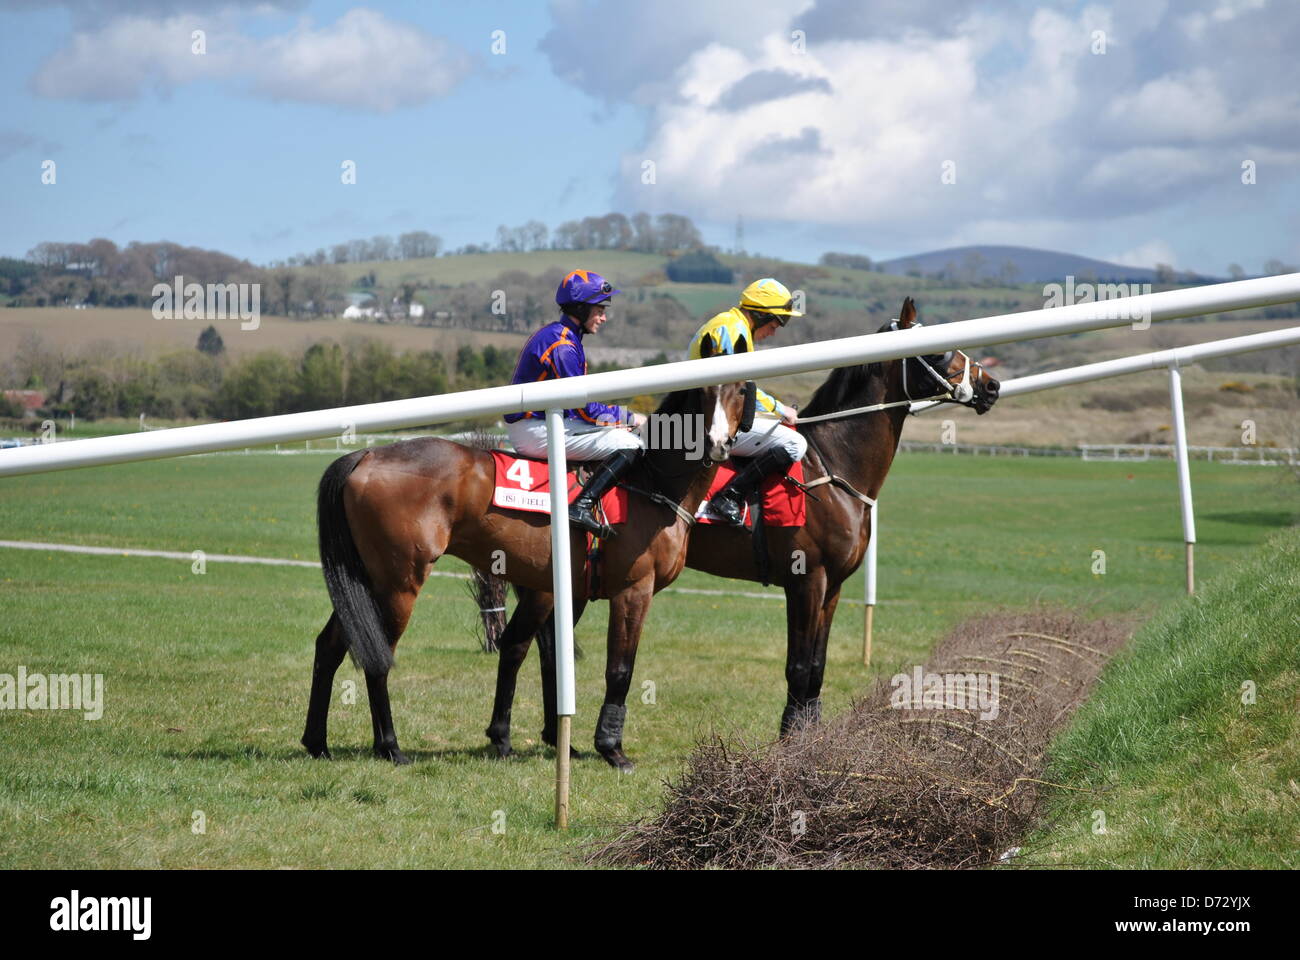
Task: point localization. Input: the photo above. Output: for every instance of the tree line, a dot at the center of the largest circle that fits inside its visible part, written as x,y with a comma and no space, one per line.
206,384
614,231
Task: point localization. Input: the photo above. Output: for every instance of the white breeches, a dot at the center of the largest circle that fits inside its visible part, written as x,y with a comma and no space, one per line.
769,433
582,441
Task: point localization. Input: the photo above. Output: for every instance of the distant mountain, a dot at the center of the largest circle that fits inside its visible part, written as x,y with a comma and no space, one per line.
1031,265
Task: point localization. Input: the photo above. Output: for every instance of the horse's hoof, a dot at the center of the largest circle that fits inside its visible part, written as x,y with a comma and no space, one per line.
618,760
394,754
504,750
319,752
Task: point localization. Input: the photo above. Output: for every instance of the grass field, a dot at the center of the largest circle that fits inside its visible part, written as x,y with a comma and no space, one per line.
206,675
1190,747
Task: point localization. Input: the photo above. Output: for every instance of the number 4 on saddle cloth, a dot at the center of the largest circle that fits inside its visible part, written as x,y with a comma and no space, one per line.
525,484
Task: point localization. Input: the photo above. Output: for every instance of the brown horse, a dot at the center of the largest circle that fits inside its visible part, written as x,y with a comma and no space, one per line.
857,450
385,515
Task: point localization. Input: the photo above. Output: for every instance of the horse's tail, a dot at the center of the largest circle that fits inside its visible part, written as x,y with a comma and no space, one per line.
345,573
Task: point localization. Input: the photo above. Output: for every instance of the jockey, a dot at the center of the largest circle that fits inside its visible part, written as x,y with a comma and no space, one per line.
593,432
765,306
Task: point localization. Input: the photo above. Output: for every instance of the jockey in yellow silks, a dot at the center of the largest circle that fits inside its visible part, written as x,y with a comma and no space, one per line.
765,306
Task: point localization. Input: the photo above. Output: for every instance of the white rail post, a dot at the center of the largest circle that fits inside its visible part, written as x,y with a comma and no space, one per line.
1184,473
869,577
561,585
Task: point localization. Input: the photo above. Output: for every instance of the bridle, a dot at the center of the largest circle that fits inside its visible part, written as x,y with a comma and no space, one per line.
962,392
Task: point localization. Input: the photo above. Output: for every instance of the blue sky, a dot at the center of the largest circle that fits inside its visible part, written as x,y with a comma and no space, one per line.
832,142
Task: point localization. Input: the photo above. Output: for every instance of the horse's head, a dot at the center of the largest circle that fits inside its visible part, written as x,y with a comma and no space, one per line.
951,377
728,409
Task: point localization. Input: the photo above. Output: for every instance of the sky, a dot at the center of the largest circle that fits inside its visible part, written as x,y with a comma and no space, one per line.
1122,130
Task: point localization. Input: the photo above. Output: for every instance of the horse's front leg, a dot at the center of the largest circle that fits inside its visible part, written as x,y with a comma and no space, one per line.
817,666
804,597
627,613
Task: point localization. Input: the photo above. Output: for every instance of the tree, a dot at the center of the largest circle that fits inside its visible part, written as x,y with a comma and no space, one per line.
852,261
1235,271
320,377
643,233
282,284
676,232
259,386
566,236
210,342
698,266
1165,274
534,235
417,244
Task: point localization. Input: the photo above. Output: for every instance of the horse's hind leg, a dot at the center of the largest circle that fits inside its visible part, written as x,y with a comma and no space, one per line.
330,650
399,607
530,610
546,658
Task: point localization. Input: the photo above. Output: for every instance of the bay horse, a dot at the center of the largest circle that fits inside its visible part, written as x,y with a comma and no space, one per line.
385,515
853,424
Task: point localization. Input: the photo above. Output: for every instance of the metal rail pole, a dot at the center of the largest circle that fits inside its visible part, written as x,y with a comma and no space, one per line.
562,586
1184,472
869,578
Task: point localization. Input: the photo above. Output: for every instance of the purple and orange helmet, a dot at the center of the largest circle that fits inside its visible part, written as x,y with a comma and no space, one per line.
584,286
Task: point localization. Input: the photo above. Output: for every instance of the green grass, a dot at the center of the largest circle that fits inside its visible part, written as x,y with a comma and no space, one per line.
207,675
1185,772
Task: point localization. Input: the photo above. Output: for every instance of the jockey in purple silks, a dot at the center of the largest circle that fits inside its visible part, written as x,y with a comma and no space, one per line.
597,431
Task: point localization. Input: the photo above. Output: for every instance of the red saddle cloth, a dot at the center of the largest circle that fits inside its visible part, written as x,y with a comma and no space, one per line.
525,484
783,502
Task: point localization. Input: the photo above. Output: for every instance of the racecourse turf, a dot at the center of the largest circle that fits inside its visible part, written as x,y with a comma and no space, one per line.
206,675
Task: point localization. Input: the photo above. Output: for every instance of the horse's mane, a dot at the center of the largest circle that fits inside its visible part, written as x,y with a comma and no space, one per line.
680,401
844,387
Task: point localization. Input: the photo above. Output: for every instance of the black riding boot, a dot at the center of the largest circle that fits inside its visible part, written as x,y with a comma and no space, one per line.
729,502
582,510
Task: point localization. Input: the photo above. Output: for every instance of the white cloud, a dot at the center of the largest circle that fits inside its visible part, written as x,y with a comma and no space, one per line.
1041,130
362,61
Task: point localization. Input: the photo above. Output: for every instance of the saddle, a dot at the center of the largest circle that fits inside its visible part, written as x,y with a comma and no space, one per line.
523,484
779,502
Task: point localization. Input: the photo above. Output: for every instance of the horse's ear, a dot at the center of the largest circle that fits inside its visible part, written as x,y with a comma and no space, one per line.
747,411
907,316
742,345
706,348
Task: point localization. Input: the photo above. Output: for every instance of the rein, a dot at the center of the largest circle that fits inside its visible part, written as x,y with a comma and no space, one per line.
833,479
951,392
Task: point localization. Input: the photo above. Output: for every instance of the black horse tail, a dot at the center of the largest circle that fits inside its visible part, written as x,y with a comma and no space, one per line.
345,573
